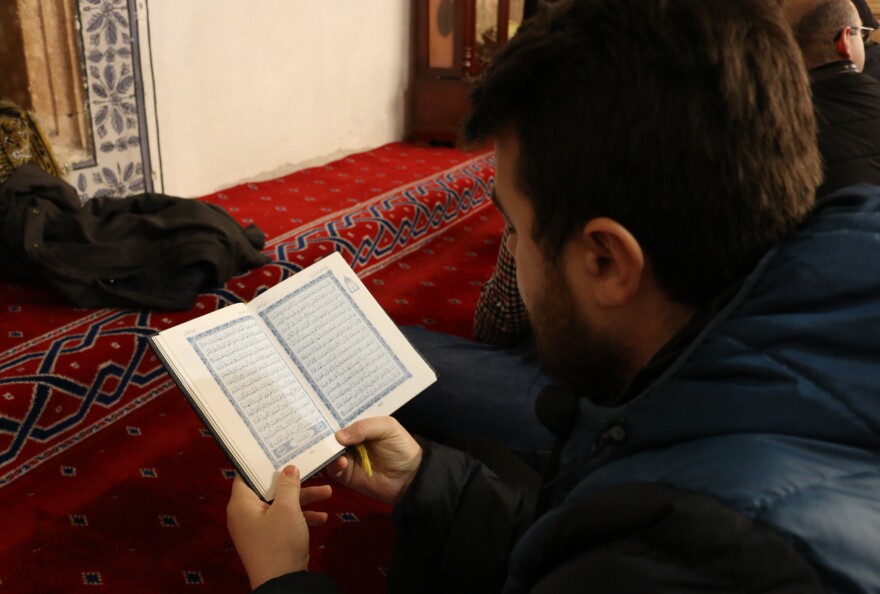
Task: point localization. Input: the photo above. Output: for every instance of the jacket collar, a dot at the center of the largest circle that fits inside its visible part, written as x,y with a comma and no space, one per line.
832,69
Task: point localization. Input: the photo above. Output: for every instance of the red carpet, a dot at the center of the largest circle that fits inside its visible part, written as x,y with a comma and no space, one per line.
108,480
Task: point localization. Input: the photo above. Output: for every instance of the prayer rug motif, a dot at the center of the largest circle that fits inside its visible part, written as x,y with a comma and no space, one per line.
133,498
67,373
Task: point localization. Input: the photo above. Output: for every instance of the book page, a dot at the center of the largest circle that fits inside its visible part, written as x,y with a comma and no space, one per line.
348,364
346,347
267,397
237,380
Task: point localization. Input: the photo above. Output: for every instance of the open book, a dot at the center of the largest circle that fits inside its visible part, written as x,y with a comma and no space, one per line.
274,379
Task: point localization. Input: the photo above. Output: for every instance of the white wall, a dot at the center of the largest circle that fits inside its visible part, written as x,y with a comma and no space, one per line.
246,90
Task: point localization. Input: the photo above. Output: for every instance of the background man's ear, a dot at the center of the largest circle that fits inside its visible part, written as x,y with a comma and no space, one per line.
613,260
842,46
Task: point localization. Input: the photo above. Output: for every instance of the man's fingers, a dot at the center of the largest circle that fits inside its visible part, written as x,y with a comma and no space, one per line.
314,518
370,429
243,503
310,495
336,469
240,488
242,494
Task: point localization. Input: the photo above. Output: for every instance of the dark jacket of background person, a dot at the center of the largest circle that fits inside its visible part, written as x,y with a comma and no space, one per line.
717,476
148,250
872,48
872,60
848,115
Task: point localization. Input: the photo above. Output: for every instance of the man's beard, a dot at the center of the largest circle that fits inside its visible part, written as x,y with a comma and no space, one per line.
571,351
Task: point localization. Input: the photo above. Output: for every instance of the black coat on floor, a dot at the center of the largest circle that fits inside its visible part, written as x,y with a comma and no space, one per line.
149,250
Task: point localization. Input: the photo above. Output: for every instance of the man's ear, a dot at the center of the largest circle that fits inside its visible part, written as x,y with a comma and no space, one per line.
842,46
612,260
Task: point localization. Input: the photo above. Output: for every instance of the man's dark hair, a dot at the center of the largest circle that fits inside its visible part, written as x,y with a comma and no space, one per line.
689,122
815,30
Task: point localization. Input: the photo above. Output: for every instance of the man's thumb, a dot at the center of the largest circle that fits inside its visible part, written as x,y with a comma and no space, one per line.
288,487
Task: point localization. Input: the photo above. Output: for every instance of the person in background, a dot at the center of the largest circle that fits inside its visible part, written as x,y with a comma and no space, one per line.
832,39
714,328
872,48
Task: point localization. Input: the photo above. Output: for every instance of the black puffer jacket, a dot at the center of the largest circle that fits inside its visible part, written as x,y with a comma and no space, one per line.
148,250
748,464
848,114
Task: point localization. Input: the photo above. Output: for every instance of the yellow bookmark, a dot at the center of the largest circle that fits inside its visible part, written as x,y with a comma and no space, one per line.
365,459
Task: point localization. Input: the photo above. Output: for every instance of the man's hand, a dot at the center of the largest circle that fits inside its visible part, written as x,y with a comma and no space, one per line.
394,454
273,540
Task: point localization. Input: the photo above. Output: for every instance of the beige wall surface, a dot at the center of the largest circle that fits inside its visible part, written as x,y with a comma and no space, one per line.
247,90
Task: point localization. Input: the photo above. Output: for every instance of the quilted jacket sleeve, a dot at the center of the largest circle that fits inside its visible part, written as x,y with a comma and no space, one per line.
460,520
657,539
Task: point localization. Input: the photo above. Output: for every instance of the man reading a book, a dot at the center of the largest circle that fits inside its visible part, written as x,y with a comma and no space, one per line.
715,330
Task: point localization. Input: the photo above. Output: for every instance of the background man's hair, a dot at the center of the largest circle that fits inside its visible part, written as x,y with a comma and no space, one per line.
687,121
815,31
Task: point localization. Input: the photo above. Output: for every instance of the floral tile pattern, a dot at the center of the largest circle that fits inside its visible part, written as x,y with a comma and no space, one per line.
114,88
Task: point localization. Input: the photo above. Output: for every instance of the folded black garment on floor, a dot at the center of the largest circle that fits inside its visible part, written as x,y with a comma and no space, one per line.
149,250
